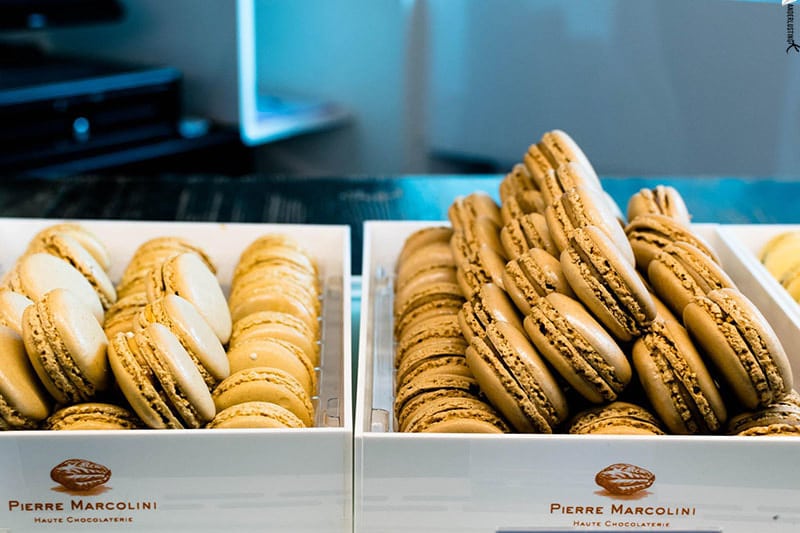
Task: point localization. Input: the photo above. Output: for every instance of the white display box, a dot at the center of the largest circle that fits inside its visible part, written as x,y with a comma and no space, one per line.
490,483
198,480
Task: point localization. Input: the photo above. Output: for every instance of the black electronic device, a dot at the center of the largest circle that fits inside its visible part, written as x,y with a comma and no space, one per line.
39,14
55,109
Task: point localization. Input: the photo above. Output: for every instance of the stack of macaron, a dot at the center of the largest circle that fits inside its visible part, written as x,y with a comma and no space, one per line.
274,350
781,257
580,321
161,355
435,388
167,332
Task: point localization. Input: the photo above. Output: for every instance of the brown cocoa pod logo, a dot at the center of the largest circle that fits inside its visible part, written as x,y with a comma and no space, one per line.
623,479
80,475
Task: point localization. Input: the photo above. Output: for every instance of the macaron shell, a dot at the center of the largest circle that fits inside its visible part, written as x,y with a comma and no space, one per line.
86,238
782,412
194,333
560,148
537,165
676,381
12,305
616,418
579,207
516,380
92,416
606,283
567,176
66,347
443,326
273,241
70,250
663,200
277,255
421,280
276,297
40,273
187,276
427,350
442,385
650,233
137,383
441,365
423,237
177,374
23,401
533,275
275,354
255,415
490,305
742,345
270,274
516,181
681,272
529,231
82,337
277,325
456,415
428,310
265,385
578,348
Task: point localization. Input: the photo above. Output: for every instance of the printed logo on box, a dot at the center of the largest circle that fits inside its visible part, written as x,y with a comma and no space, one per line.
625,484
86,482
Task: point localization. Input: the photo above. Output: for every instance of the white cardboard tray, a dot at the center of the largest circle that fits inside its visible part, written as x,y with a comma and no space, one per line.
485,483
198,480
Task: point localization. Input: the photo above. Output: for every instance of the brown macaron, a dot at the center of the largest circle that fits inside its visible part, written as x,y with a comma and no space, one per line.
661,200
580,207
92,416
578,348
159,379
66,346
616,418
521,204
24,402
489,305
466,209
487,268
517,181
607,283
568,176
676,381
438,327
532,275
421,238
524,233
433,255
413,395
560,148
516,380
772,419
537,165
681,272
69,249
651,233
742,345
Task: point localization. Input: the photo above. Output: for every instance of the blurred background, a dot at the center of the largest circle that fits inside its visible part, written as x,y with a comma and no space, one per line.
393,87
